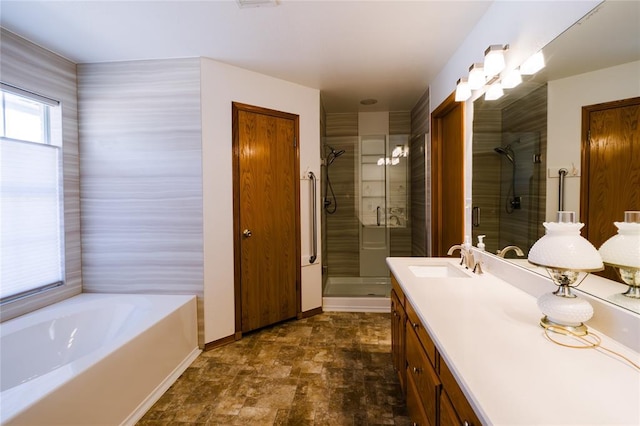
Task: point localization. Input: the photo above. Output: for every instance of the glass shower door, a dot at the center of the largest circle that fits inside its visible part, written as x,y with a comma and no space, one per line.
374,236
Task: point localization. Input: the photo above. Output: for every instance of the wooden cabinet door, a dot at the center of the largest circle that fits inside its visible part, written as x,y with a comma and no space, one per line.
421,372
398,352
414,406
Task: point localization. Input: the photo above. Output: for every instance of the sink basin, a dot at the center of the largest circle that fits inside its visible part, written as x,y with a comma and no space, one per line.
443,270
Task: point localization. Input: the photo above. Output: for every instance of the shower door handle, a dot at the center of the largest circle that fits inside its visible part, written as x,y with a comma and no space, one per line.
378,216
314,225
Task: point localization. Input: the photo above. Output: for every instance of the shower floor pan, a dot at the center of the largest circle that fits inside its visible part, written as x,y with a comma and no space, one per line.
357,294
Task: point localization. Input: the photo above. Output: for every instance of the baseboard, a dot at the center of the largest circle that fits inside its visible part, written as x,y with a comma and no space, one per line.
222,342
145,405
356,304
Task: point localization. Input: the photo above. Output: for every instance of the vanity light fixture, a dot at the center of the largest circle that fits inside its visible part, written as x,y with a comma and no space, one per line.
477,77
532,65
494,92
622,251
566,255
463,91
494,59
511,79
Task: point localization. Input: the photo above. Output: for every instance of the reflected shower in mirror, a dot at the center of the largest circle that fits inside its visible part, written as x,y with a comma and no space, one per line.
594,62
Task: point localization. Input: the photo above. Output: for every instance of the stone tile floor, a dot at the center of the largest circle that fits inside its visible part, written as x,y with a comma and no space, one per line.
331,369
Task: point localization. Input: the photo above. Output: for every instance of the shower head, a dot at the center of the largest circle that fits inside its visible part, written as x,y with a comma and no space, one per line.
507,152
333,154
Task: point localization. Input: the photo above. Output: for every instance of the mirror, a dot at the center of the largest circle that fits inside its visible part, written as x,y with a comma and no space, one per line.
522,140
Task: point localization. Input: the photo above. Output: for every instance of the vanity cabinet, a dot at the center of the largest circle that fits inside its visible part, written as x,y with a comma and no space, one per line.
433,396
398,333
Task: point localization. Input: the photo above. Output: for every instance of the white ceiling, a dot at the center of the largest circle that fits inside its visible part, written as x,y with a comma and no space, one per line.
350,50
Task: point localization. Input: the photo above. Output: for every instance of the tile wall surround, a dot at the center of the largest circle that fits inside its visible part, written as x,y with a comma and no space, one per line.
30,67
141,174
523,124
420,179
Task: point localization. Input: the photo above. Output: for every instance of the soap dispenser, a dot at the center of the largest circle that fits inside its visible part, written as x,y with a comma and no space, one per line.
481,242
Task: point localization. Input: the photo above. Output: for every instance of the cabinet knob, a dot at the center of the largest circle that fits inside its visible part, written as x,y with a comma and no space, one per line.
466,423
415,325
416,370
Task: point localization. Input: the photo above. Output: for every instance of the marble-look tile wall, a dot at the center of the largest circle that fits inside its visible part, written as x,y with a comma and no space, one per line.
32,68
420,153
342,249
523,125
526,122
141,192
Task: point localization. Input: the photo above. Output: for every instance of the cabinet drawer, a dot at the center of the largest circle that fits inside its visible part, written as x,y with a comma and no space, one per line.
416,325
423,375
463,409
395,286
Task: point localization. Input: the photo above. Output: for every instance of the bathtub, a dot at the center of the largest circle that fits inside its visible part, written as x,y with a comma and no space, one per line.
94,358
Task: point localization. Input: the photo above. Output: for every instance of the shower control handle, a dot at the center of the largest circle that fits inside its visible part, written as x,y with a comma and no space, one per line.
247,233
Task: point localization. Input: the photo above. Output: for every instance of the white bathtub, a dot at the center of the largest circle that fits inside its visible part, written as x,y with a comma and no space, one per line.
94,358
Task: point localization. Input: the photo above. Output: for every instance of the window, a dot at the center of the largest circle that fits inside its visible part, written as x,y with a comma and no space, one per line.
31,220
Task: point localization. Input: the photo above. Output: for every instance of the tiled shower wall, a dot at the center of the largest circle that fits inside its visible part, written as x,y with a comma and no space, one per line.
523,124
341,250
420,180
141,177
32,68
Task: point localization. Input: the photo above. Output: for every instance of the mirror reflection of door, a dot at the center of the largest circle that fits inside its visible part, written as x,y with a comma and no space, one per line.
610,182
266,216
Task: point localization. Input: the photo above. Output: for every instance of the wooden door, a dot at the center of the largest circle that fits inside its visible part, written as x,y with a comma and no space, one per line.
610,182
267,219
447,165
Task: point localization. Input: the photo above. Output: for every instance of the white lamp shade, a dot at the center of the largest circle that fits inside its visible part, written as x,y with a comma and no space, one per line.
511,79
494,60
494,92
477,77
562,247
463,91
623,249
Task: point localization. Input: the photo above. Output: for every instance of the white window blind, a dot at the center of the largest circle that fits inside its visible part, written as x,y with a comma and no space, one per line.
31,242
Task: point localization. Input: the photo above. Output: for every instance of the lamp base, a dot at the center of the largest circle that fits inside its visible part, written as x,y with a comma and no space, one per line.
633,292
574,330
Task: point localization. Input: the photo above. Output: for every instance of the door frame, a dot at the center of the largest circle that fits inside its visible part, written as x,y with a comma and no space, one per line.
437,169
236,107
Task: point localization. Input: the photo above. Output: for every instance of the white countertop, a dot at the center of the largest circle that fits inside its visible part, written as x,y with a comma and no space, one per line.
488,333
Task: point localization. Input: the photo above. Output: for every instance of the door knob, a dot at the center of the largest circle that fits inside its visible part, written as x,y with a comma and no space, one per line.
246,233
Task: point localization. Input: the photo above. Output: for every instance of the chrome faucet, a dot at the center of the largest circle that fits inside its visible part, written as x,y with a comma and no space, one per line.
504,251
466,258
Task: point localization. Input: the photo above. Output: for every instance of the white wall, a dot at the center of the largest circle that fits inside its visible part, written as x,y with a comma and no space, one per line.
223,84
567,96
527,26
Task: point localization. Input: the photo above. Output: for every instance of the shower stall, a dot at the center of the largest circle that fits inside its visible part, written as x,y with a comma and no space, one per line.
365,193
